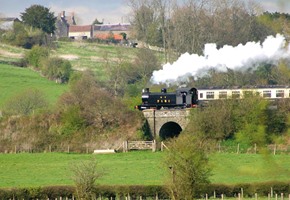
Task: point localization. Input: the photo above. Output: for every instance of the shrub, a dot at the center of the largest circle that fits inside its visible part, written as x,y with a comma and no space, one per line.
35,55
56,69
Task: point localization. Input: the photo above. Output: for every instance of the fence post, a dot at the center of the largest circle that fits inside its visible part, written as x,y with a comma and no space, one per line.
154,146
125,146
275,146
271,192
238,149
255,148
242,193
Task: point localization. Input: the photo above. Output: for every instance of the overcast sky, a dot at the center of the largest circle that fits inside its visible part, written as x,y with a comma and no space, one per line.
111,11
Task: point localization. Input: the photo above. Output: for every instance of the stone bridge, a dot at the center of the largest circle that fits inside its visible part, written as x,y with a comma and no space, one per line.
166,123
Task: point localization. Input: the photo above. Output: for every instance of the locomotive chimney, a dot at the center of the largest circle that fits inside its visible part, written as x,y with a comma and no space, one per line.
163,90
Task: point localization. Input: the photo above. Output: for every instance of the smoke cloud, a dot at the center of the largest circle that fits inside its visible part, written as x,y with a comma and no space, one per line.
239,57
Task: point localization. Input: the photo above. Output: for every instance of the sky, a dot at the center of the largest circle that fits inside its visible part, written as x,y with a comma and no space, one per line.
109,11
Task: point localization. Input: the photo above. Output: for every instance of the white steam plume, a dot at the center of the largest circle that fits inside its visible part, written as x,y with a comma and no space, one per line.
242,56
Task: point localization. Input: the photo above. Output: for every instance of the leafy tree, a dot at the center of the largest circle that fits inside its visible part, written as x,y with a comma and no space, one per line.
24,36
95,107
26,102
40,17
187,162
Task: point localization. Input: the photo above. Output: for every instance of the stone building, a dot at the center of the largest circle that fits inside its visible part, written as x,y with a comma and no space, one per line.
63,23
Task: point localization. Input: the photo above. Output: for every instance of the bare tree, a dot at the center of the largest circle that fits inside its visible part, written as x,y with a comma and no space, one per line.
85,175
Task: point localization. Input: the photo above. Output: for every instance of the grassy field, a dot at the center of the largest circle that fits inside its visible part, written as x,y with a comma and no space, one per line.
91,55
142,168
15,79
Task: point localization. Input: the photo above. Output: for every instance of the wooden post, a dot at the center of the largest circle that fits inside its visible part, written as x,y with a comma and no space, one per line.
154,146
49,148
256,196
222,196
125,146
275,149
269,196
242,193
67,148
282,196
255,148
276,196
271,192
239,196
206,197
214,194
161,147
238,149
15,149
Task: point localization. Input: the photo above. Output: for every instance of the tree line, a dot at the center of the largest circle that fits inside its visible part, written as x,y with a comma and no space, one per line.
186,26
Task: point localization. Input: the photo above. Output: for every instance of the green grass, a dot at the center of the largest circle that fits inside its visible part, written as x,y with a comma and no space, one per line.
142,168
14,80
91,55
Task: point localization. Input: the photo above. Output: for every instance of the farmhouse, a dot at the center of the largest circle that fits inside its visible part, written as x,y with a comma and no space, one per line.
80,32
62,24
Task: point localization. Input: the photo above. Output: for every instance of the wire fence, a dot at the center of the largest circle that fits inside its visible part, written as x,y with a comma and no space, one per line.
150,145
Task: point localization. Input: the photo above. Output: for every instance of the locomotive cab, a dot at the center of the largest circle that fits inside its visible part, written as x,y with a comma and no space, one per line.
181,98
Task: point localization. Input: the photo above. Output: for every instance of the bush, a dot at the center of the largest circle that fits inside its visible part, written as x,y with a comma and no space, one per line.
56,69
35,55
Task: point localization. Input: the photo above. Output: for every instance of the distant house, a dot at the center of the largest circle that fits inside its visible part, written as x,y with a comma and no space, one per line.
7,23
80,32
63,23
115,31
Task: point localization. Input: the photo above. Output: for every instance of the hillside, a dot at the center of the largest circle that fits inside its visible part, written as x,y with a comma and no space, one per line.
81,55
16,79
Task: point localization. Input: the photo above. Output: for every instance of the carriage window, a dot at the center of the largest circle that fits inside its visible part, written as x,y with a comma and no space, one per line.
267,93
222,94
248,93
236,94
280,93
210,95
201,95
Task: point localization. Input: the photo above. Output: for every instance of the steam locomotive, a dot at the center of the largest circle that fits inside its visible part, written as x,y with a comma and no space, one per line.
181,98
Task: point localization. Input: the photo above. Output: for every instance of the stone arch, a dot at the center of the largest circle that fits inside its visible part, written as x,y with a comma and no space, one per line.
169,130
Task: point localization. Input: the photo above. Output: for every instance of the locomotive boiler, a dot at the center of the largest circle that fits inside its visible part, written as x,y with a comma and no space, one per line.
181,98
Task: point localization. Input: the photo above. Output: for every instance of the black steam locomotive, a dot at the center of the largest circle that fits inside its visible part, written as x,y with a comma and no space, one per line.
181,98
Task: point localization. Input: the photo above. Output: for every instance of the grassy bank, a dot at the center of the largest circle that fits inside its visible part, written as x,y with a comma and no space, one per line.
14,80
135,168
